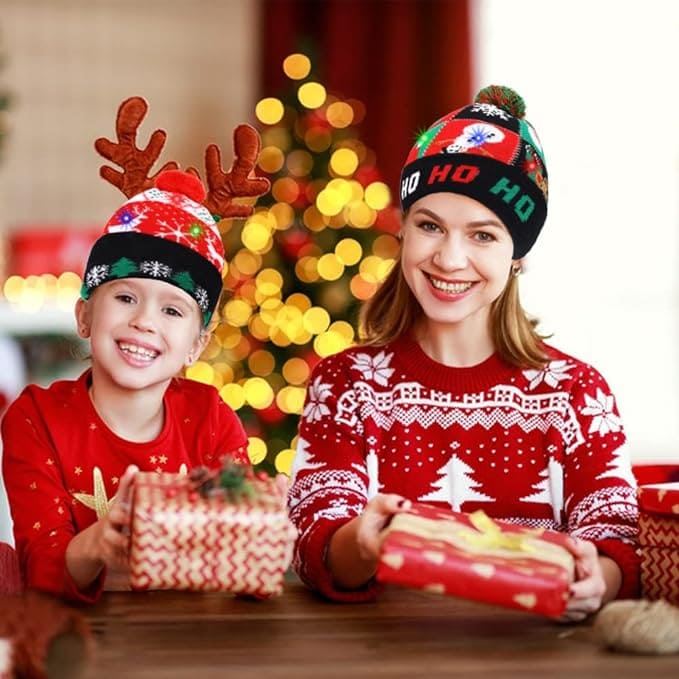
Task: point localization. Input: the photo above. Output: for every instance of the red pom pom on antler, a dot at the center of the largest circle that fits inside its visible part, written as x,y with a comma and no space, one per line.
177,181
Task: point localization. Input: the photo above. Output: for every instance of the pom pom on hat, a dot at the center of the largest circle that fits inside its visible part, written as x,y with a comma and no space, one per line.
177,181
489,152
502,97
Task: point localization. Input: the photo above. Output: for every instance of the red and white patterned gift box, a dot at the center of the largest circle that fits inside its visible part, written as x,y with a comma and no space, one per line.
182,540
474,557
659,540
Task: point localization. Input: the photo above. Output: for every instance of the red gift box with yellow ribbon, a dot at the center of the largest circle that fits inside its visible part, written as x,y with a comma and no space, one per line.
659,540
184,539
475,557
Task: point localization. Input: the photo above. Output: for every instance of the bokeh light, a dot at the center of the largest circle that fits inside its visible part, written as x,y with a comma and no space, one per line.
284,461
233,395
258,392
269,110
296,370
271,159
311,94
377,195
256,449
261,362
237,312
201,372
299,163
344,162
340,114
316,320
330,267
297,66
348,251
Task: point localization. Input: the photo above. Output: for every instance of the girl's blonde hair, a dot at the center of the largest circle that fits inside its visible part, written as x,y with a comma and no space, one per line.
393,311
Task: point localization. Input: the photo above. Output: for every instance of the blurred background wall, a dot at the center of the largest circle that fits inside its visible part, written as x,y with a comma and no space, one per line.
68,64
597,78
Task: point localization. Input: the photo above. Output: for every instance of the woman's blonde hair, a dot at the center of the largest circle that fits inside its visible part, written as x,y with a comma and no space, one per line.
393,311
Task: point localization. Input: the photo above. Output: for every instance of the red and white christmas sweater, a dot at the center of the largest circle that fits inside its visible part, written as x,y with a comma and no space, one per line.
62,464
542,448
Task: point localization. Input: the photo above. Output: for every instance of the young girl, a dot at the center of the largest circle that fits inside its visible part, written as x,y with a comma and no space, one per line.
151,285
454,398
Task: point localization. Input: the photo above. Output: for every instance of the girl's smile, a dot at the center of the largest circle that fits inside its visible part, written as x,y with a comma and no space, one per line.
137,354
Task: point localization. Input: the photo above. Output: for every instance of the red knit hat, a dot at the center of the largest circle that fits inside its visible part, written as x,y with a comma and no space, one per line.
167,230
489,152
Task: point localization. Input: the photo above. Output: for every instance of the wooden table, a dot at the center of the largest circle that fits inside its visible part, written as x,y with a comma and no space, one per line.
404,634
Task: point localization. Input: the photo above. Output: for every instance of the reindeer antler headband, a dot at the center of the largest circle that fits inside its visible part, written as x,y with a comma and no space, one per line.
167,229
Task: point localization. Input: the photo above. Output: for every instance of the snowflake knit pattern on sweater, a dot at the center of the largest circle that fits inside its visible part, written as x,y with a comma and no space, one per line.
542,448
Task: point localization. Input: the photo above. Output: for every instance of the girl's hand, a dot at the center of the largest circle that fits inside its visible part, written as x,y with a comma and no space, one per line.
374,518
106,542
114,528
588,591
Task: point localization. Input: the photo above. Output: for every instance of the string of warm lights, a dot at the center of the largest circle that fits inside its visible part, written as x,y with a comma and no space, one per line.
34,293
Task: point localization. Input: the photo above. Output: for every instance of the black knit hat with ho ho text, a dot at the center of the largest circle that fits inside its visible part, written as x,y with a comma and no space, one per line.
489,152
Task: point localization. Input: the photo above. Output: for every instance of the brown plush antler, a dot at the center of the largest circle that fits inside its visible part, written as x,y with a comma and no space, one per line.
135,162
223,187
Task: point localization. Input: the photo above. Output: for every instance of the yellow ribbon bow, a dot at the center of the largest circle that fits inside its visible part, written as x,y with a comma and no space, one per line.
489,535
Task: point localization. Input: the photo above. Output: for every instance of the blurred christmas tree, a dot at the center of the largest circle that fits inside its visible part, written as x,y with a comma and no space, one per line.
316,247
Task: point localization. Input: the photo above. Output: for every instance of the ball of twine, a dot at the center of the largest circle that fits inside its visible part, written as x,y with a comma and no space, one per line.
639,626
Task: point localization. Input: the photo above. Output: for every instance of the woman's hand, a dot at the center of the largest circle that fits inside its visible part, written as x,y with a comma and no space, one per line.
354,548
597,581
373,520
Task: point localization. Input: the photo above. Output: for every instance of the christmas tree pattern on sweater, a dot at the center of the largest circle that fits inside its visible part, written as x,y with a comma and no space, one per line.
543,448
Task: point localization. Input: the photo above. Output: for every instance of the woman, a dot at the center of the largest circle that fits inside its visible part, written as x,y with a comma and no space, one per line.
454,398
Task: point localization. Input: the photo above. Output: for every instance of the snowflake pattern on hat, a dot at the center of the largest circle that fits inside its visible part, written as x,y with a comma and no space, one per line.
490,110
155,269
96,275
202,297
174,217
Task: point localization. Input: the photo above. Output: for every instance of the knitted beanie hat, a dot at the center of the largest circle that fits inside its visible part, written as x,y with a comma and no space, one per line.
165,234
489,152
167,230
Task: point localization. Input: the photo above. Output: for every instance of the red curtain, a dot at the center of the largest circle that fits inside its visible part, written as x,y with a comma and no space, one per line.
408,61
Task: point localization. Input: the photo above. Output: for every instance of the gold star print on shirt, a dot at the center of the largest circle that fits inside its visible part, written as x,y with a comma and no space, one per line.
98,501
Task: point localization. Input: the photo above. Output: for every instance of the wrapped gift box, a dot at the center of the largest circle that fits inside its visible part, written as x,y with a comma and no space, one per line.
475,557
659,540
183,540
